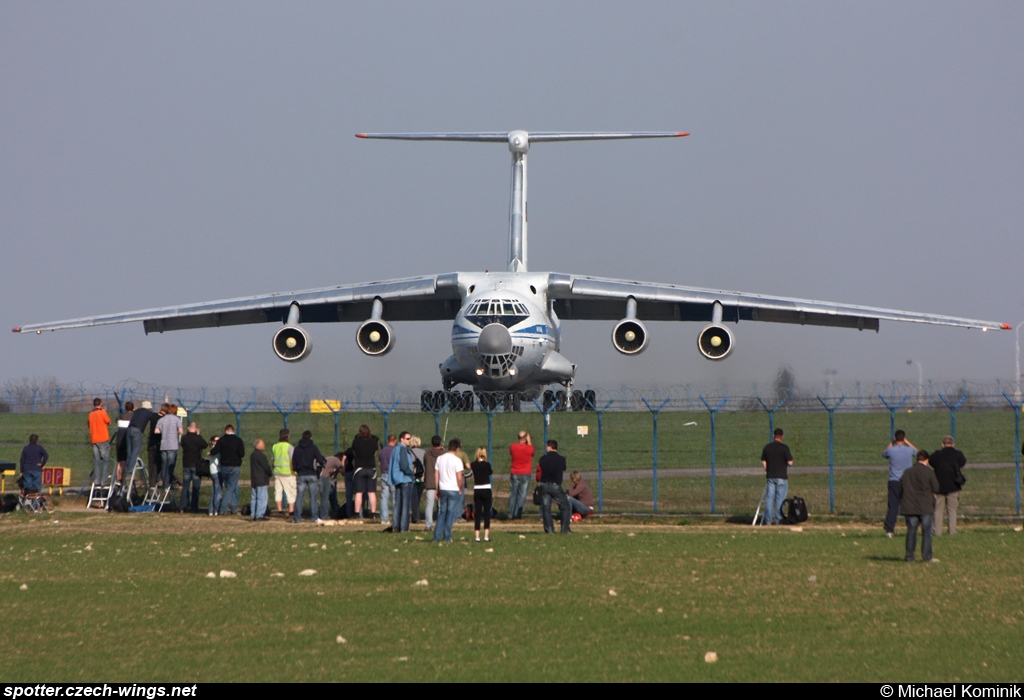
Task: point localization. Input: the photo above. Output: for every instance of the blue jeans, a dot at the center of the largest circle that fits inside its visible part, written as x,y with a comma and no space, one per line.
449,509
403,506
328,496
895,496
775,494
259,501
577,506
303,484
217,496
387,492
350,492
548,492
100,463
134,438
431,500
33,481
168,460
190,491
519,486
923,521
229,489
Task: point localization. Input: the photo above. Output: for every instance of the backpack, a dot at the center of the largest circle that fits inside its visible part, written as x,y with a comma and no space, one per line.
795,510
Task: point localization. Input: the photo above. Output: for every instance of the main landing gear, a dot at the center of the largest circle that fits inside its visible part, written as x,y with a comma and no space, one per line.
507,401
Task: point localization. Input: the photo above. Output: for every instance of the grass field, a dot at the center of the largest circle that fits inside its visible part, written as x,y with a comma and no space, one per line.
90,596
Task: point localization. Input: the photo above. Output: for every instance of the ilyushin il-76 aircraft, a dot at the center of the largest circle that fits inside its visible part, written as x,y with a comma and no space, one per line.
506,326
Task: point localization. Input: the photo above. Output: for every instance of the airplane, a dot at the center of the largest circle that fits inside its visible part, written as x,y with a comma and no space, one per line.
506,326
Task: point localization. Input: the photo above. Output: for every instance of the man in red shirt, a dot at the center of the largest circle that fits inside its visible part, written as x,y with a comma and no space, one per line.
520,474
99,436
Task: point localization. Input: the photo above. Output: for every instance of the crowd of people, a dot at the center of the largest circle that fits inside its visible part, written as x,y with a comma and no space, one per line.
922,487
399,468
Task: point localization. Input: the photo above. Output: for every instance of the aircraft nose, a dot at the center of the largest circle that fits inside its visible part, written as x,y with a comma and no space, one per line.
494,340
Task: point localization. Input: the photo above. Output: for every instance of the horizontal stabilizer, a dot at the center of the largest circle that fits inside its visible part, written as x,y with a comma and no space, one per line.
535,136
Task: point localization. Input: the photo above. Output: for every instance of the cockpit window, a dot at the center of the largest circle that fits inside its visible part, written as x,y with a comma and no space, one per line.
507,312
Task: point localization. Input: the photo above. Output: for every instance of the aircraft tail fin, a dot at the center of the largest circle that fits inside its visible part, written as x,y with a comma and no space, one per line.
519,145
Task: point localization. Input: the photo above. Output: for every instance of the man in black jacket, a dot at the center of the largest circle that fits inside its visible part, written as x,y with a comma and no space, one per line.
260,472
231,449
192,446
305,460
551,471
947,464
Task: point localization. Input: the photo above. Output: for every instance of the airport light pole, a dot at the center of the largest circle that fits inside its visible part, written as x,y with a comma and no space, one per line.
1017,344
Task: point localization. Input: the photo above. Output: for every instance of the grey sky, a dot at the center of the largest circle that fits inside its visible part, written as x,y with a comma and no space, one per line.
154,153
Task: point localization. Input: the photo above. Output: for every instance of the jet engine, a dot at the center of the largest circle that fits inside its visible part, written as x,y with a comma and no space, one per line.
715,342
630,336
292,343
375,337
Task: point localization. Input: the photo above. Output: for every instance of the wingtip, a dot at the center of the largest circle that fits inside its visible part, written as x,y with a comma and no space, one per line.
682,133
16,329
360,136
1006,327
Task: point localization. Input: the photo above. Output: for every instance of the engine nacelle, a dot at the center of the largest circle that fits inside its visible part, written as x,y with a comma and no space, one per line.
715,342
292,344
375,337
630,336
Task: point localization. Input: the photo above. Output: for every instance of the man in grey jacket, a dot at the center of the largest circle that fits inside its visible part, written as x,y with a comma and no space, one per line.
918,505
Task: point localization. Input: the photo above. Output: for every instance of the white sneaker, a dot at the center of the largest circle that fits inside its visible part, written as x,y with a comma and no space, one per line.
318,521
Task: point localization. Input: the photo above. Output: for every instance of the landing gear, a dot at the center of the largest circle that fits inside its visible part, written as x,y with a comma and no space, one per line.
451,401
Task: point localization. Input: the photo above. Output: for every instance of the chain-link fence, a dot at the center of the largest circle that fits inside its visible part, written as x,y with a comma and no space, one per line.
675,450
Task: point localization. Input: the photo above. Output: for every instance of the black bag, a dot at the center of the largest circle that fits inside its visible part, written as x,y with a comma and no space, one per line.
537,500
417,468
959,479
469,512
795,510
203,468
120,503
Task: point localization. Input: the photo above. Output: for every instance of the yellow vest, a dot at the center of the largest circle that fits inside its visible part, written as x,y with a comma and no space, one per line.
282,452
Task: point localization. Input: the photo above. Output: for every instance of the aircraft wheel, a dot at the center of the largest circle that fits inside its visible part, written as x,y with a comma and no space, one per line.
426,401
549,400
589,400
577,400
467,401
440,399
561,398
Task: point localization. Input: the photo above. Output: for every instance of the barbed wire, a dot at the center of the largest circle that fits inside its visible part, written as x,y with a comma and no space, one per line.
49,396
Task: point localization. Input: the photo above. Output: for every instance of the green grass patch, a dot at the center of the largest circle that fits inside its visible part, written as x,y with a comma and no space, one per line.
126,598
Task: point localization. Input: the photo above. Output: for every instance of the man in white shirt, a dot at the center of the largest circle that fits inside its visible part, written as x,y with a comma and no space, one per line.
449,490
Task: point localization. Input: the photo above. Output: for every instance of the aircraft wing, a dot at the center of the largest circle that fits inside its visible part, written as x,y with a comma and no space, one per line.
596,298
428,298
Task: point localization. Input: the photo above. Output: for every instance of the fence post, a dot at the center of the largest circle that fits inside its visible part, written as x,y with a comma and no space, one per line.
337,415
771,415
1016,446
655,412
238,412
386,415
547,416
188,411
287,413
832,452
952,412
713,411
892,413
600,452
489,411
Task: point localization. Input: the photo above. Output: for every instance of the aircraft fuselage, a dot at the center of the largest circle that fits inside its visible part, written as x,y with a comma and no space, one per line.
505,336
